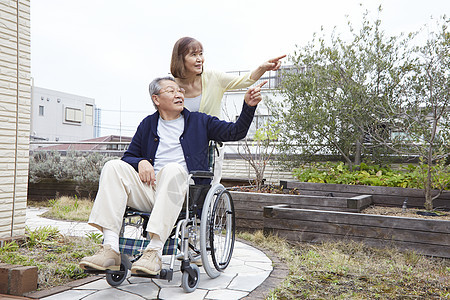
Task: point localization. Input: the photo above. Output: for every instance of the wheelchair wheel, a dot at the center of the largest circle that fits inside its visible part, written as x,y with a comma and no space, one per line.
116,278
189,283
222,232
217,230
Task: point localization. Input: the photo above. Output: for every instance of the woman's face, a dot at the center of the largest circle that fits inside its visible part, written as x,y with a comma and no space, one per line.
193,61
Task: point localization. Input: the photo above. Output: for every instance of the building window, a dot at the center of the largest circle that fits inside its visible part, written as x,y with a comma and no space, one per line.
42,97
262,121
89,114
48,99
58,100
41,110
73,115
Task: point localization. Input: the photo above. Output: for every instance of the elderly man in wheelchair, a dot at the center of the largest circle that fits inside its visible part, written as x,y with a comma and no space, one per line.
154,173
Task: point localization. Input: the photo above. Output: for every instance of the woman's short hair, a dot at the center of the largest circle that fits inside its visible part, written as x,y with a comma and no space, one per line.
154,87
182,48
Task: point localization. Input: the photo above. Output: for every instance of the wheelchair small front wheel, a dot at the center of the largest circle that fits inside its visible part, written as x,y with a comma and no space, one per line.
190,282
115,278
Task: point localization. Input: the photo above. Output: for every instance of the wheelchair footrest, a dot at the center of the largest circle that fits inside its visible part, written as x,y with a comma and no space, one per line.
165,274
95,271
98,272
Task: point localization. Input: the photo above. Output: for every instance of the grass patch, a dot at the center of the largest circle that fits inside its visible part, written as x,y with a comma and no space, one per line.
350,270
55,255
69,208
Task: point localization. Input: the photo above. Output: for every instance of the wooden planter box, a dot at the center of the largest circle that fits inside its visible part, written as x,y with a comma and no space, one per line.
51,189
429,237
384,196
249,206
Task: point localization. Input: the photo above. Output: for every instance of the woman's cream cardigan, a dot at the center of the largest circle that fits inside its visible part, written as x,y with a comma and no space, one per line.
215,84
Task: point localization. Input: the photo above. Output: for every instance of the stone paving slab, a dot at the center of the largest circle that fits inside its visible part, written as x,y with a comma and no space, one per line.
248,269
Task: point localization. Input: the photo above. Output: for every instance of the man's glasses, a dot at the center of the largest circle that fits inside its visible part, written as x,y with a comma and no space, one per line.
173,91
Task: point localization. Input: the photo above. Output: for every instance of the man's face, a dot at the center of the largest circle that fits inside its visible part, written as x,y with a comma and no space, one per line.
170,99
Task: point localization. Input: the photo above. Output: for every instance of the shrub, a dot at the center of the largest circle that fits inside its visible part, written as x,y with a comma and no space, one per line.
82,168
45,164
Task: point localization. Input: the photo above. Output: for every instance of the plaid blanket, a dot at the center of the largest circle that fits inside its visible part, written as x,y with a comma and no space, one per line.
135,246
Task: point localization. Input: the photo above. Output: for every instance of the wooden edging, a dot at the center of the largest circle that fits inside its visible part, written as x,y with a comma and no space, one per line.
249,206
381,195
429,237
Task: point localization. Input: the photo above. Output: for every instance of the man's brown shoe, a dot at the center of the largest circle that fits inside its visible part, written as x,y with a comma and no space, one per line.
149,263
105,259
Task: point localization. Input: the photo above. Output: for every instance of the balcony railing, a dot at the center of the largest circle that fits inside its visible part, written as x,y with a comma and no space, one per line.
274,78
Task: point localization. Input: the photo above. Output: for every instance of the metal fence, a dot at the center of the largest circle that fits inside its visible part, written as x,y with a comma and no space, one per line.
274,78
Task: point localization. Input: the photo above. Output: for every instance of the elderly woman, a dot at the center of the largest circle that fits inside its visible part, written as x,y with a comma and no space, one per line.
204,89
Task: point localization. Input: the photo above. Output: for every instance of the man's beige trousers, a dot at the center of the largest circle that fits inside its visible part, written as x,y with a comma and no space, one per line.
120,186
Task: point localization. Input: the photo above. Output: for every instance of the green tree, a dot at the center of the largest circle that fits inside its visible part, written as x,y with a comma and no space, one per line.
331,92
417,117
349,97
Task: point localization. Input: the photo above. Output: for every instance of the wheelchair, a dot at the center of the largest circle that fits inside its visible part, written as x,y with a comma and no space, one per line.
205,230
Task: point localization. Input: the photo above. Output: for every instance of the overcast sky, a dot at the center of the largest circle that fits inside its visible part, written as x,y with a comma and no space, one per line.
110,50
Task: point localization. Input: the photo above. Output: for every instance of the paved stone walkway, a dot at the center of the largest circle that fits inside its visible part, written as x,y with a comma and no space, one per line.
249,267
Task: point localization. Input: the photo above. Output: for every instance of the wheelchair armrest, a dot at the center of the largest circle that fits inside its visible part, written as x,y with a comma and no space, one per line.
202,174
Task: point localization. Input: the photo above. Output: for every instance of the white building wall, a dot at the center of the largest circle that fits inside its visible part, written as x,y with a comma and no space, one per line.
48,116
241,169
232,105
236,167
14,114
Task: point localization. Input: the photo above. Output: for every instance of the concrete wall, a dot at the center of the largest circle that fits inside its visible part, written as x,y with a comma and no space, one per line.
14,114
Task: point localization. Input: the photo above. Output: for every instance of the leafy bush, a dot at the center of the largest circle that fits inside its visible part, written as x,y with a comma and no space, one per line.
95,237
42,236
410,176
82,168
45,164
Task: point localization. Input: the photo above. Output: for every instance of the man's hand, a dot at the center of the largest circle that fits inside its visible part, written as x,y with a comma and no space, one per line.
146,172
253,95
